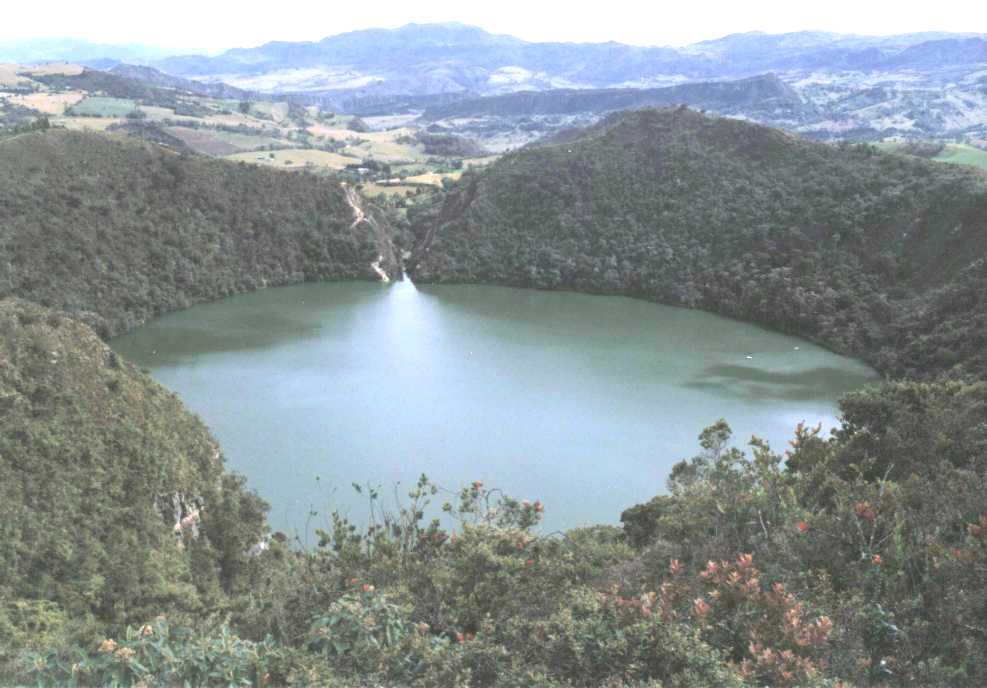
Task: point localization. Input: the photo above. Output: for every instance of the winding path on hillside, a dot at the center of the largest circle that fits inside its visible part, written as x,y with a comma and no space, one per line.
359,216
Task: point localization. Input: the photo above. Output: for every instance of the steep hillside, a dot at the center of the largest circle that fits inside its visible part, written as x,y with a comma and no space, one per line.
843,245
114,504
117,231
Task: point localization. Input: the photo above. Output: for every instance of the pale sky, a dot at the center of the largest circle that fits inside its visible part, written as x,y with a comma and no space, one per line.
215,25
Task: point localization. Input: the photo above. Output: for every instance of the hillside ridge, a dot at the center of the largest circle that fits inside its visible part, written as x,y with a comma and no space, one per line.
859,250
118,231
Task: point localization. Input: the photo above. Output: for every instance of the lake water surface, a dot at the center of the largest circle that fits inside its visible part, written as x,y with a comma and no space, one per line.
584,402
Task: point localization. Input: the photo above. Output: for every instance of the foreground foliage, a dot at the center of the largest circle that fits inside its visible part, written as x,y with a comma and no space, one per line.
103,479
822,566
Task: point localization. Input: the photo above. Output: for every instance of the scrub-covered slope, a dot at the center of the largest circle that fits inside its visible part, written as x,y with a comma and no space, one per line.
114,503
119,231
863,251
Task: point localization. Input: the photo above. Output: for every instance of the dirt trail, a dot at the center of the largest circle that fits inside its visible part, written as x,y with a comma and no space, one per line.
359,216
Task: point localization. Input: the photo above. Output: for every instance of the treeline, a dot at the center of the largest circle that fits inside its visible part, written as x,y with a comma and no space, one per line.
116,231
870,254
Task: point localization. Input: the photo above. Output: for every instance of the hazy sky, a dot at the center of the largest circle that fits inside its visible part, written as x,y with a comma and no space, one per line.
214,25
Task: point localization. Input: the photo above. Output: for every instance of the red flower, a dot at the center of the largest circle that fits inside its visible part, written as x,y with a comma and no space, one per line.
876,560
530,562
803,527
701,608
864,512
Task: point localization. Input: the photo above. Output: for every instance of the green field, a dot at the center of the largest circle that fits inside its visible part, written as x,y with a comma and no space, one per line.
100,106
961,154
953,153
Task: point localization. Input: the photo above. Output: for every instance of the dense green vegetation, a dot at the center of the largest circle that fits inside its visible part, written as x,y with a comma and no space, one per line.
860,559
100,465
871,254
118,231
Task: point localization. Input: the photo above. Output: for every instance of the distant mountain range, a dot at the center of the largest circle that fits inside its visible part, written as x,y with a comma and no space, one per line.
823,85
422,59
97,55
450,58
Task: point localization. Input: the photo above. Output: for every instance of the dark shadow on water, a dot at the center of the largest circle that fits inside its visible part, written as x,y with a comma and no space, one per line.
255,321
754,384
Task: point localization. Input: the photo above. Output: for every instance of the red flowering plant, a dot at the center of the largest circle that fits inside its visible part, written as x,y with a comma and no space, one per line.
479,505
768,631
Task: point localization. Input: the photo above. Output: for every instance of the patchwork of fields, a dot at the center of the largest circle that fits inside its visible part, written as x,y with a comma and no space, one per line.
384,155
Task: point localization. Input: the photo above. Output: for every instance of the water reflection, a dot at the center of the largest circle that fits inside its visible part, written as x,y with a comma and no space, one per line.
758,384
584,402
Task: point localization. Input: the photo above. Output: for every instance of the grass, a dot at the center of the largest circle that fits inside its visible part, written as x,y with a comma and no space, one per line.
295,158
433,178
380,145
48,103
221,143
101,106
962,154
9,76
67,68
86,123
276,111
371,189
953,153
157,114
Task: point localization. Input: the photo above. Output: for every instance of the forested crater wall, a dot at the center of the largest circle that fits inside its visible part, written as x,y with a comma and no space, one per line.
116,231
875,255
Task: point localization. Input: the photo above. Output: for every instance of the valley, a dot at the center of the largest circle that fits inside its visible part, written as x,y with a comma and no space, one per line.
434,357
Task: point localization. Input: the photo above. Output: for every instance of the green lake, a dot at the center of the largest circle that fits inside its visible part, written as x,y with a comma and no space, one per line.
584,402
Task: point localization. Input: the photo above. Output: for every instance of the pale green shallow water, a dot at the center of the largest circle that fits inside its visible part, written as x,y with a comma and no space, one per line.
584,402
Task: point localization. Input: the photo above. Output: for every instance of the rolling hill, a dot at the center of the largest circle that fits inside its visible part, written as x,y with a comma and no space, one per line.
118,231
872,254
756,95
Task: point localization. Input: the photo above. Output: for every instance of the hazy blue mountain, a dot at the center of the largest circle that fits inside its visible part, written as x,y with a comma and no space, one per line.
154,77
72,50
420,59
